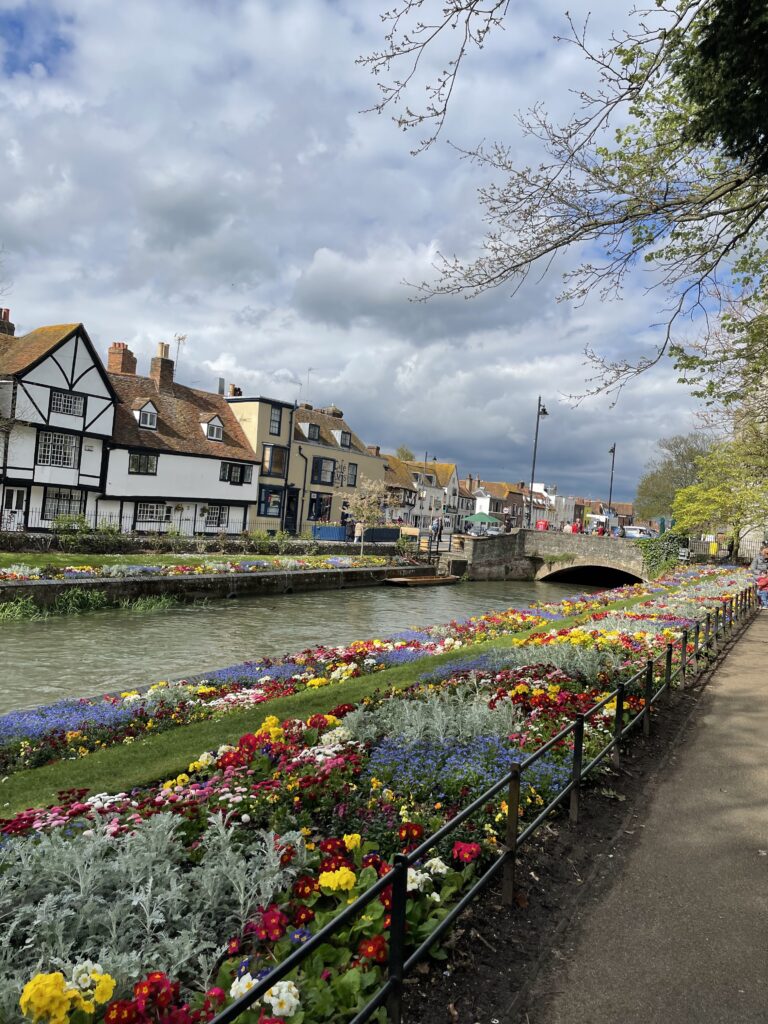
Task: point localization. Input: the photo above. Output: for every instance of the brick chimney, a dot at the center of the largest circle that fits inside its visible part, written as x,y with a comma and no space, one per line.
161,368
120,359
374,449
6,327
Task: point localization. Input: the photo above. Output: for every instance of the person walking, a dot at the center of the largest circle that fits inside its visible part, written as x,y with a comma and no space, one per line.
359,530
759,566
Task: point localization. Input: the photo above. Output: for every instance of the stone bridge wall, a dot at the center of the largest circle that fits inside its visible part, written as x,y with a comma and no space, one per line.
534,554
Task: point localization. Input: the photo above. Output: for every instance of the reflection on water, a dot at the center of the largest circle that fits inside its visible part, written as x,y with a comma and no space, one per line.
80,655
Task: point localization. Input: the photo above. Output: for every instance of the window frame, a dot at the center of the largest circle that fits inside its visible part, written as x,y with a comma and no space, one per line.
313,432
266,491
267,460
151,414
214,431
325,499
318,470
227,472
54,494
167,512
222,517
275,409
145,458
345,439
69,396
74,442
352,476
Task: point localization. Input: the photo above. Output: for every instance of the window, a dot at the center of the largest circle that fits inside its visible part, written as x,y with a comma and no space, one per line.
140,462
352,474
275,420
215,431
270,501
236,473
63,501
67,404
323,470
313,431
319,505
217,516
346,439
274,460
58,450
153,512
148,418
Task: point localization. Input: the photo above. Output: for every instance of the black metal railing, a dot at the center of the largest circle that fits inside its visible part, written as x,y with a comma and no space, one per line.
654,680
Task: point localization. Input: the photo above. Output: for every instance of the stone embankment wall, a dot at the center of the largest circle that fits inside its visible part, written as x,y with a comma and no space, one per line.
536,555
198,587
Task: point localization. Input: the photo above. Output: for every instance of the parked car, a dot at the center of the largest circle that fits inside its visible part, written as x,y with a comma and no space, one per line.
633,532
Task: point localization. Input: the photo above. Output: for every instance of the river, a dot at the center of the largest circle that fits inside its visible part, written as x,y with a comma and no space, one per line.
75,656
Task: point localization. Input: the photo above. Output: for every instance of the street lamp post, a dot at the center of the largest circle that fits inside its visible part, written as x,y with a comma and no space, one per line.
540,411
612,453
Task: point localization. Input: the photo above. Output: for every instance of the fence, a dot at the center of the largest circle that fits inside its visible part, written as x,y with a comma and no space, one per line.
736,611
180,523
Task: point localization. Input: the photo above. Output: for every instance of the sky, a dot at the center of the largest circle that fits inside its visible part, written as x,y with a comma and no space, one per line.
206,168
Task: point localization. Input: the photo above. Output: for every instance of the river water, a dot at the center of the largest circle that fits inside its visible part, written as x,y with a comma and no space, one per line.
45,661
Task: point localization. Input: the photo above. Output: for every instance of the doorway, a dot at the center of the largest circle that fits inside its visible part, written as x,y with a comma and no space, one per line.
14,507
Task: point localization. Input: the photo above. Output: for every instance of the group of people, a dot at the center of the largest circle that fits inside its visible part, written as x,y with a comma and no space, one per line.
354,530
436,529
599,530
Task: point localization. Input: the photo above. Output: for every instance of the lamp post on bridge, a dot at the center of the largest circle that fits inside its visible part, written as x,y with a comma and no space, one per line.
612,453
540,411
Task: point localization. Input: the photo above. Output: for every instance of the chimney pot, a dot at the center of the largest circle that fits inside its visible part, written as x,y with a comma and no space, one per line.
6,327
161,368
120,359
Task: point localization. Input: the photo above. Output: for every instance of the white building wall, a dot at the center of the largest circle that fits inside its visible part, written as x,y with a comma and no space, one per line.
21,451
178,476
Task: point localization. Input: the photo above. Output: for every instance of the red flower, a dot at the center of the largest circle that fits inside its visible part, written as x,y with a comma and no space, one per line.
275,922
466,852
233,947
303,914
410,831
374,949
332,846
123,1011
304,886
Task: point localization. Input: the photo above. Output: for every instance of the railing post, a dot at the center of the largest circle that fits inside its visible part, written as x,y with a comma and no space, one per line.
513,810
668,672
715,630
684,660
578,752
731,602
648,698
618,724
397,937
707,627
696,631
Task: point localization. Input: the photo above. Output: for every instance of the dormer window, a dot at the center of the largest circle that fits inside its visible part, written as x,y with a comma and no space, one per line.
346,439
148,417
313,431
213,429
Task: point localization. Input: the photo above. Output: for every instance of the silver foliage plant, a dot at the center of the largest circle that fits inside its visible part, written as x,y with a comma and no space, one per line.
131,906
460,714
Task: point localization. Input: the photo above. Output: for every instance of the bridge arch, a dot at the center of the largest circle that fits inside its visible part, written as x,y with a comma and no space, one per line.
590,574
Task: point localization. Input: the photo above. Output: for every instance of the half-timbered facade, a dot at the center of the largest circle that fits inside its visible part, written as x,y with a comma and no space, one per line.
56,415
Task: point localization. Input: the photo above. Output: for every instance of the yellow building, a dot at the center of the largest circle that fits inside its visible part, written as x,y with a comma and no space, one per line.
310,459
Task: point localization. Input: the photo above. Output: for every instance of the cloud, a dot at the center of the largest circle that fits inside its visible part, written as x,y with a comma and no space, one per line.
203,168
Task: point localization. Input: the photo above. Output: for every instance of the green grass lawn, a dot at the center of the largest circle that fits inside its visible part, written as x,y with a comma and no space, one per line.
157,758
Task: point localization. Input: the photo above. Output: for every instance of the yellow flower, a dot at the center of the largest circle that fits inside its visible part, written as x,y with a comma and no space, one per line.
317,681
105,986
375,784
341,879
47,997
352,841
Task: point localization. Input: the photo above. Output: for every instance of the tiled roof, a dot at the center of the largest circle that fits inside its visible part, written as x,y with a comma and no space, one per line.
326,423
441,471
495,488
464,491
180,411
396,474
16,354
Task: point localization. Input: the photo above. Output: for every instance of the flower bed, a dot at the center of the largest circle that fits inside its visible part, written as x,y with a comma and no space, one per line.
21,573
298,818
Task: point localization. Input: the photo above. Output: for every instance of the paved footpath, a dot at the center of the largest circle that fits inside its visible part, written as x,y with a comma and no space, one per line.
681,935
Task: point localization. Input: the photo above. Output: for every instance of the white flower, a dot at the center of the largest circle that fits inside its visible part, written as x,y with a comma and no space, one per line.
81,975
245,818
417,880
435,896
283,998
435,866
241,985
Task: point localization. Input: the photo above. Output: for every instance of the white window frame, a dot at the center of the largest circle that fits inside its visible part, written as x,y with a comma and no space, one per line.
148,418
217,517
153,512
214,431
61,450
67,404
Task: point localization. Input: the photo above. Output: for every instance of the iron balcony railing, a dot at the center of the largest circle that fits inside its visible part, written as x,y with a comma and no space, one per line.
655,680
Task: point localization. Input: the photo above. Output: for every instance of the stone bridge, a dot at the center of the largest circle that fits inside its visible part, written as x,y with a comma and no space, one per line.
545,555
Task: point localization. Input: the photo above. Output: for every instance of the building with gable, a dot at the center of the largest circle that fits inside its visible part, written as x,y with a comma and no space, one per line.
57,407
401,488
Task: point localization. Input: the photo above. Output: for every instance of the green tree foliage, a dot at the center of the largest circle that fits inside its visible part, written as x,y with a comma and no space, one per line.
404,454
732,491
725,75
674,468
646,193
367,503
